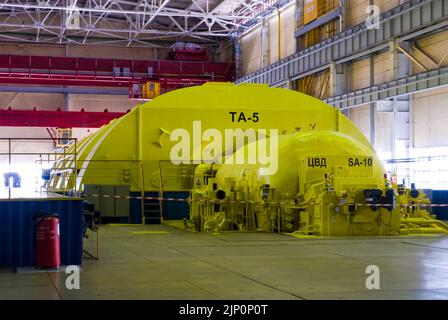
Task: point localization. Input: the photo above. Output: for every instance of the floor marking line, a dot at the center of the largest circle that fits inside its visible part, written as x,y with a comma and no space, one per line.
55,287
150,232
242,275
199,287
365,260
424,245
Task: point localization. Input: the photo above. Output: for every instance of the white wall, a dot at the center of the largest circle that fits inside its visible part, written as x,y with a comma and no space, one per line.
251,42
225,52
27,101
113,103
357,9
361,118
430,117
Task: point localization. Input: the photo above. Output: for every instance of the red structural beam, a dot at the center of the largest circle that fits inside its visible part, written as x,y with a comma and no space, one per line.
63,80
107,72
56,119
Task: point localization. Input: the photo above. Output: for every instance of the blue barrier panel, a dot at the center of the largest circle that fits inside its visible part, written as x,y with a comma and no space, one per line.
17,230
176,210
440,197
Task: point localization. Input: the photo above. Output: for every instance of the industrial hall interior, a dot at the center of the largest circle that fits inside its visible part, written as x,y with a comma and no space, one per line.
224,150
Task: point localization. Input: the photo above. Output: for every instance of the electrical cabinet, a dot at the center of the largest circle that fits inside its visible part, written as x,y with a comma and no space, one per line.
109,200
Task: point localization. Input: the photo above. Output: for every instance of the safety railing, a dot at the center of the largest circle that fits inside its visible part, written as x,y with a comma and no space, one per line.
27,165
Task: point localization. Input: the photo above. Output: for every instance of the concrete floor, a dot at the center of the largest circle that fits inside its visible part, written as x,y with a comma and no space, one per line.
183,265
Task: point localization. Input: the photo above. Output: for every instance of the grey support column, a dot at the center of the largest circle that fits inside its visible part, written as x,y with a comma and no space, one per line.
338,80
401,68
372,104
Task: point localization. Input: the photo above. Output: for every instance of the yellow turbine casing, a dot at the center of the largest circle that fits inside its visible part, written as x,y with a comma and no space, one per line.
130,150
295,170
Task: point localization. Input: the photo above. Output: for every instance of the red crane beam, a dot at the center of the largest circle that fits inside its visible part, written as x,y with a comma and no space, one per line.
56,119
107,72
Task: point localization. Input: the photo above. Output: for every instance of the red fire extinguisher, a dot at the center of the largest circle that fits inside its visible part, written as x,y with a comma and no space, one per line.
48,253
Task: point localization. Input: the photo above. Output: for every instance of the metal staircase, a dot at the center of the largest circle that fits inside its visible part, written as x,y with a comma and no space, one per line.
152,208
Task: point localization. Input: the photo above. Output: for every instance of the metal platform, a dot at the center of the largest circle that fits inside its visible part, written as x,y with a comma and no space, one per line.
20,195
396,88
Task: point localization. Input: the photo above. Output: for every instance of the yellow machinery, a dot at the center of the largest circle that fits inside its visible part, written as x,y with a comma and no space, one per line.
150,89
415,215
327,183
63,136
328,179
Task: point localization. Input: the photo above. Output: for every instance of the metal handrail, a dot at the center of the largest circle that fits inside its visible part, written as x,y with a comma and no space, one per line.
58,156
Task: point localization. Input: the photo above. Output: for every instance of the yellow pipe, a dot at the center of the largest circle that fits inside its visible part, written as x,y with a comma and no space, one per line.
425,230
423,221
140,159
279,34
